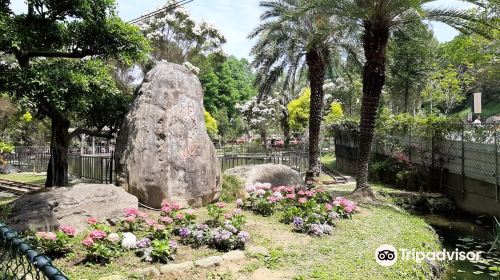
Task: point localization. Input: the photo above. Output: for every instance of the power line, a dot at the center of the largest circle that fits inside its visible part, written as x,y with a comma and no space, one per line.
164,9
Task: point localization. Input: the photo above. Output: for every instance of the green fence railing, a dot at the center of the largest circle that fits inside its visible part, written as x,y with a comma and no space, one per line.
19,261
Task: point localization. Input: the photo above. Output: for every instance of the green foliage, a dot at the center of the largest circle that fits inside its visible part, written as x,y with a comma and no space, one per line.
6,147
226,83
162,251
411,53
335,114
231,188
216,213
80,90
420,125
448,87
299,111
85,28
211,124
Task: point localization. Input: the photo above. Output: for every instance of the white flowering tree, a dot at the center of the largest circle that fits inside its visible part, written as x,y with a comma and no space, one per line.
177,37
261,116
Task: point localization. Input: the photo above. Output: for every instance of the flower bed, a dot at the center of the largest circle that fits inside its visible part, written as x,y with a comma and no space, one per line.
310,211
151,239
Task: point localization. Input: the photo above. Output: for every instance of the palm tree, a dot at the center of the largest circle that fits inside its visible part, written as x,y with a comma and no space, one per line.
288,45
376,19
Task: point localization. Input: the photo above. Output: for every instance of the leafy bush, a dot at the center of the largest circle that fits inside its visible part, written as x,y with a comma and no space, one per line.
310,211
216,213
101,247
231,188
163,250
55,244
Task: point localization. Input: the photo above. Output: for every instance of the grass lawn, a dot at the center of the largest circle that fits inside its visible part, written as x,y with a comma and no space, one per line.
329,161
25,177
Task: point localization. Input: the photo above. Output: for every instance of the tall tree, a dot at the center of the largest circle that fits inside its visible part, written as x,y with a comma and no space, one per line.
376,19
288,45
411,55
65,29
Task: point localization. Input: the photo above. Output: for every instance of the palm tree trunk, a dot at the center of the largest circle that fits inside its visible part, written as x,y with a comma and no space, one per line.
316,61
285,125
375,41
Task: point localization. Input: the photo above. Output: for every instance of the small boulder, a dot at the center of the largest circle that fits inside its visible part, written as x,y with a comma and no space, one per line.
275,174
8,169
69,206
209,262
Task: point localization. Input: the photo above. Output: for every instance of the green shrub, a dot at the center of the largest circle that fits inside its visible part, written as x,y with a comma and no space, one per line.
232,188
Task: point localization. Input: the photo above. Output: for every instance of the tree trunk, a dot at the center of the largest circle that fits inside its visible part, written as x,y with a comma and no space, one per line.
263,137
285,125
407,87
316,61
57,172
375,40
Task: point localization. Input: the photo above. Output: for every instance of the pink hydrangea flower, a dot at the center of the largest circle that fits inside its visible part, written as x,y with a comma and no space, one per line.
290,196
68,230
166,209
272,199
289,190
221,205
260,192
302,200
131,212
190,212
180,216
130,219
328,207
46,235
97,234
239,202
150,222
88,241
176,206
166,220
159,227
91,221
142,215
301,192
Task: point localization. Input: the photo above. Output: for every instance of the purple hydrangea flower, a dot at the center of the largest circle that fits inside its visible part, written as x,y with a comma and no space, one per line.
203,227
144,243
298,222
327,229
221,235
244,236
316,229
184,232
173,245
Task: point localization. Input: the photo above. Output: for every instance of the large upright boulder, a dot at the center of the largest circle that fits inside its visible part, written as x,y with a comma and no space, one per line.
163,150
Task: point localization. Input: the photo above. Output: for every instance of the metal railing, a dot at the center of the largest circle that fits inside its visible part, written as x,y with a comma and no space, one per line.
19,261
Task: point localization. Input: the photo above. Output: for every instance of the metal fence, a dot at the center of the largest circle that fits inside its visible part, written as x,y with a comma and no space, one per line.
97,168
296,161
19,261
102,168
466,150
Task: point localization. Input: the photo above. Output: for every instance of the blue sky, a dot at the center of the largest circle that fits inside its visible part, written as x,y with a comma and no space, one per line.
237,18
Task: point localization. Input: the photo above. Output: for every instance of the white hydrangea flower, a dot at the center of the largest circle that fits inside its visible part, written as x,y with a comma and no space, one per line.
129,241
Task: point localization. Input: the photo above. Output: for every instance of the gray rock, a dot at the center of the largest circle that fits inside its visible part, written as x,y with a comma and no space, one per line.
276,174
177,267
163,149
208,262
8,169
234,256
70,206
150,271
